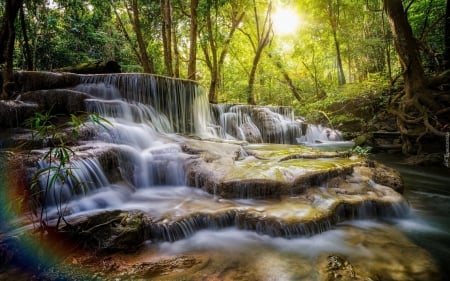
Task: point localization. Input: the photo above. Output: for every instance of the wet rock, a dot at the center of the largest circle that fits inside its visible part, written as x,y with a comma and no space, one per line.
269,172
59,101
382,174
337,267
251,133
109,231
177,266
38,80
13,112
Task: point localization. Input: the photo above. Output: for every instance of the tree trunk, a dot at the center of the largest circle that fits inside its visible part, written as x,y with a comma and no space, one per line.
167,35
415,106
145,61
213,62
447,37
176,52
192,69
26,43
125,32
214,56
264,36
7,38
333,15
406,47
251,78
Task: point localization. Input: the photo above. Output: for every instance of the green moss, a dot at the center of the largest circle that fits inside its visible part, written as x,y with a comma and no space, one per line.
282,151
286,171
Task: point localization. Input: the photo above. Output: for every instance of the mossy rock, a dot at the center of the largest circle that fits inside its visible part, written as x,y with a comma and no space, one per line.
110,231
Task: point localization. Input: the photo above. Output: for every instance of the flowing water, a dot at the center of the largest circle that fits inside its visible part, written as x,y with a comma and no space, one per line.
147,116
428,191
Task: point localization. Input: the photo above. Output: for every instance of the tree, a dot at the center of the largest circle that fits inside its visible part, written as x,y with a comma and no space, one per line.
415,104
192,69
294,90
447,36
125,33
333,17
7,38
166,30
26,43
134,18
264,35
216,39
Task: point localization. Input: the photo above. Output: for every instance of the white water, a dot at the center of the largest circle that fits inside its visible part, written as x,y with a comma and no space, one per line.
153,179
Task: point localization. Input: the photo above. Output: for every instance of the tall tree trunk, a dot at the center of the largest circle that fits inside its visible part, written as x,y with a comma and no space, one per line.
340,68
144,58
264,34
415,104
167,35
333,15
7,38
406,47
26,43
213,61
447,37
192,69
176,52
125,32
214,54
252,76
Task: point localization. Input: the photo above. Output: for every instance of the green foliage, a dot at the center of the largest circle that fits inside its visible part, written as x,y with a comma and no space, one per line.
58,169
354,103
361,151
72,32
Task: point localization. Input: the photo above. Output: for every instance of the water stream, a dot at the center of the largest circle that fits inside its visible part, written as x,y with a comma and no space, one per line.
428,191
230,237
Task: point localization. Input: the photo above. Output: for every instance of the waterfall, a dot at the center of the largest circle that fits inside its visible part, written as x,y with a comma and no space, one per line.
174,98
146,110
141,109
156,143
71,180
256,124
181,106
319,133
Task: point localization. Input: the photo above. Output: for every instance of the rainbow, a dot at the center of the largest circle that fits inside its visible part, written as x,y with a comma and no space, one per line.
27,254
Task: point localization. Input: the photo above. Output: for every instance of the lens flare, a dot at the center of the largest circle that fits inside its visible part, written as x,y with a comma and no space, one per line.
285,21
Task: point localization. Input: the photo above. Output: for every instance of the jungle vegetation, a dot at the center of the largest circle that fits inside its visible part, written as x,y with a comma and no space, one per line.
313,55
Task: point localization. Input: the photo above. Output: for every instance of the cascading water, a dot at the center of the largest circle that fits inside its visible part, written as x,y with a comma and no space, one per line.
65,187
141,110
147,115
256,124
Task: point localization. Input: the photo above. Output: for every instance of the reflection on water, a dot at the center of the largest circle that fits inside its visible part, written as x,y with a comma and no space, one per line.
428,191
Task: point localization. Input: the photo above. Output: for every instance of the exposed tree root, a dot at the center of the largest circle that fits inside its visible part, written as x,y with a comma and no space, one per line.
419,117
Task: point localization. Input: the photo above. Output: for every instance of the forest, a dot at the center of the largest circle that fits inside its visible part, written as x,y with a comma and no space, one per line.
337,62
224,140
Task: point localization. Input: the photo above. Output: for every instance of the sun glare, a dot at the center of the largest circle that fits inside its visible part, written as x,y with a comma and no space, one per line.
285,21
